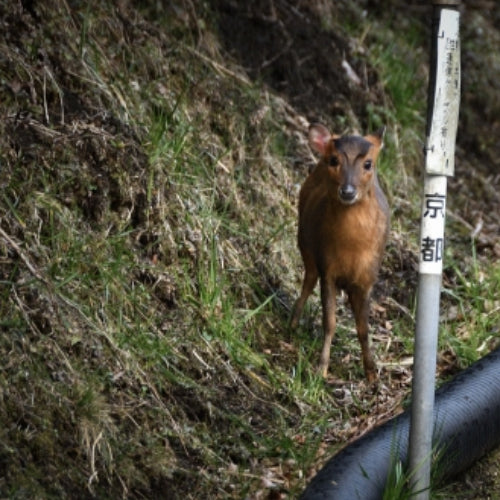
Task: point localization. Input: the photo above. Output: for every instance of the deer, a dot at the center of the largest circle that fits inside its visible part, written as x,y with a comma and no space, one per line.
342,232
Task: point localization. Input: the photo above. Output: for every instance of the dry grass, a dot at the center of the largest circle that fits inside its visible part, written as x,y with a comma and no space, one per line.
148,258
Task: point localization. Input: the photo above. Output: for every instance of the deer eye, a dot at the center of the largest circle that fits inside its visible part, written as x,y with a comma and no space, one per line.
334,161
368,165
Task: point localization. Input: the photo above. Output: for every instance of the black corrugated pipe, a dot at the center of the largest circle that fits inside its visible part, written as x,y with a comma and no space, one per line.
466,426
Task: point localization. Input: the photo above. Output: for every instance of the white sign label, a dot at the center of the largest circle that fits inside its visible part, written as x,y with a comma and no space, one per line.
440,149
432,228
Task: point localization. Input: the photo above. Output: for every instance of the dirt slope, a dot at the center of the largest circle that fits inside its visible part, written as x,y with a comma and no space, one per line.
150,158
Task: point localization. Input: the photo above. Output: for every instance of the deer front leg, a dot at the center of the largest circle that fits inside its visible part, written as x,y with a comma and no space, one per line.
360,303
328,302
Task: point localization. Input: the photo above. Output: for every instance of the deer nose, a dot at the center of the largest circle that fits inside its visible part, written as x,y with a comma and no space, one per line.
347,193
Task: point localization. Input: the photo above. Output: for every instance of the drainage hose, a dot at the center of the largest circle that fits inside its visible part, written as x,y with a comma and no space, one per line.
466,426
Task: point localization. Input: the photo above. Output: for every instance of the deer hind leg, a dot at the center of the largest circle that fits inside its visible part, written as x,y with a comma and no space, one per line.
310,280
360,303
328,302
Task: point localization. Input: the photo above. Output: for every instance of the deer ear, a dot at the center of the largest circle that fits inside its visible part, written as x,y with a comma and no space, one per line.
380,133
377,138
319,137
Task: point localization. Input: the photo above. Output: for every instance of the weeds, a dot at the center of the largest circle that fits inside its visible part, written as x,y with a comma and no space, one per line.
148,263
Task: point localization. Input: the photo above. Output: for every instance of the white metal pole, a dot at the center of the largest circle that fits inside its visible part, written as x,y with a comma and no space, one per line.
442,120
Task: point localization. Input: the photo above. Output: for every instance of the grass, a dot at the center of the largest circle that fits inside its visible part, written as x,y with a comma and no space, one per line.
398,481
148,263
470,329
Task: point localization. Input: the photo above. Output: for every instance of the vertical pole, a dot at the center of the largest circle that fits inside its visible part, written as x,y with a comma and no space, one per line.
442,120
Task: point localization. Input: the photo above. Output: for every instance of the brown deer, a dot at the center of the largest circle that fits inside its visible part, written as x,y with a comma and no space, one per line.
343,229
